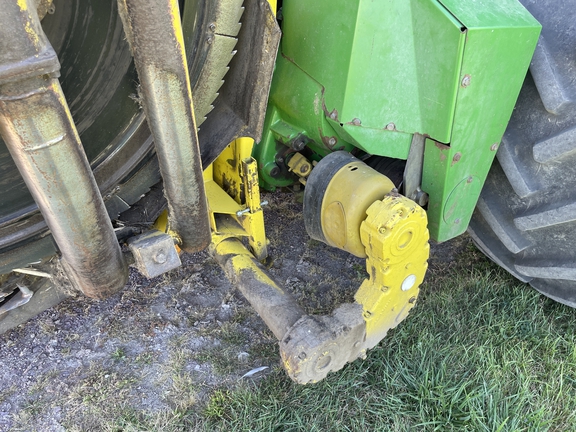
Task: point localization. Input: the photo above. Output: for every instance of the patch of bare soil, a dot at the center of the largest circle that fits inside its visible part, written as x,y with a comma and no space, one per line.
161,346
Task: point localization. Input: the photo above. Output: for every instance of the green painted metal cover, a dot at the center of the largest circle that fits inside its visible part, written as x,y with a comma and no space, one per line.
372,73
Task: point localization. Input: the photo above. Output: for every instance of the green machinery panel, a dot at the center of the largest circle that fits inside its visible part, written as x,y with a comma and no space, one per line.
369,74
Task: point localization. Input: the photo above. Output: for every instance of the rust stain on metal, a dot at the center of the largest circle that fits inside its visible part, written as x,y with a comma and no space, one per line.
441,146
328,141
355,122
456,158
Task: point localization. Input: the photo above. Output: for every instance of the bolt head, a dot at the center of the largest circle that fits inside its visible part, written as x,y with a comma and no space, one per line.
332,141
494,147
390,126
160,257
466,80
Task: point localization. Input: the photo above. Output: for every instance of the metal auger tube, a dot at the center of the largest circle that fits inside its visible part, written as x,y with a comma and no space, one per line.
310,346
37,127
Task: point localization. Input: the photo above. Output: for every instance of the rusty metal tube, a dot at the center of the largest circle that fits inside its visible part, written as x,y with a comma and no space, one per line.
154,31
277,308
37,127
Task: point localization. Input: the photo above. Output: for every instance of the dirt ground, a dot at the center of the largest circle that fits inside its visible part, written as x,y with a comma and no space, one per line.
165,344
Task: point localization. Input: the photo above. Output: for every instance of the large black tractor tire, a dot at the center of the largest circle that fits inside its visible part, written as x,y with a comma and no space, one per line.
526,216
101,86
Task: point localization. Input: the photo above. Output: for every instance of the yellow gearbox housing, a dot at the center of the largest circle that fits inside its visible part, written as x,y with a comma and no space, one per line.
353,207
395,235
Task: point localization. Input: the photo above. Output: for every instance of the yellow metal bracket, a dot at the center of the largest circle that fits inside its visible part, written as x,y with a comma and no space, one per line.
233,194
395,236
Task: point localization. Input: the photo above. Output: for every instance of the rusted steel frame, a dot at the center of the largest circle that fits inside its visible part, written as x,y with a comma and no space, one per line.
37,127
154,31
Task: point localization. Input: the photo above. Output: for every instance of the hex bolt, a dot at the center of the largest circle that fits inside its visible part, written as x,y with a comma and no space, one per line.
242,212
332,141
470,179
209,40
456,157
160,257
390,126
494,147
412,300
212,27
298,144
274,171
304,169
356,122
466,81
334,115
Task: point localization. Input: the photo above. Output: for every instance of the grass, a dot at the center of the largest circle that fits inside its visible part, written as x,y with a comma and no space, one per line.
481,352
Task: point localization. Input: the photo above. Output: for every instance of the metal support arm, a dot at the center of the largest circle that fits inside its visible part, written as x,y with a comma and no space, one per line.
154,31
37,127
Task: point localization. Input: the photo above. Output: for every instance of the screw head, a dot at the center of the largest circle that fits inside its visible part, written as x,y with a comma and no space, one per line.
160,257
390,126
494,147
356,122
466,80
